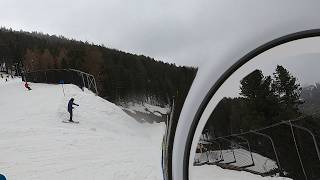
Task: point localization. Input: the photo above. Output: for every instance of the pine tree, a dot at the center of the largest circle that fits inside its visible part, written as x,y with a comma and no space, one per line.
262,105
288,91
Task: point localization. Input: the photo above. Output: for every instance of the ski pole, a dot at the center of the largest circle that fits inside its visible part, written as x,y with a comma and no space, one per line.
62,82
63,91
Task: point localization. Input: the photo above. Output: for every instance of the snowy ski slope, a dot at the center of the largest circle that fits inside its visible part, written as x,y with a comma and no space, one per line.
107,144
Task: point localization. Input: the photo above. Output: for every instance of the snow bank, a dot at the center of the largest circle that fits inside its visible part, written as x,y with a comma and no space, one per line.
146,108
107,144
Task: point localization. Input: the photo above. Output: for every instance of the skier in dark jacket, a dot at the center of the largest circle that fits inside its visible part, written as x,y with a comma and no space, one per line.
70,108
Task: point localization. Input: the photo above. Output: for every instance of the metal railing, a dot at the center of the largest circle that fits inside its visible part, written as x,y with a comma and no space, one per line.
298,158
66,76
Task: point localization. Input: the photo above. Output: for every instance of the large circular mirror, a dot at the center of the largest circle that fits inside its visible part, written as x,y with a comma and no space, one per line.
264,120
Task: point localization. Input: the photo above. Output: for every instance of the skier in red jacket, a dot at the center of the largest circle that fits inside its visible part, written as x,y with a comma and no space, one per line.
27,86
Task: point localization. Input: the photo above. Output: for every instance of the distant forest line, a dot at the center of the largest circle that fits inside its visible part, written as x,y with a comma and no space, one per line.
120,76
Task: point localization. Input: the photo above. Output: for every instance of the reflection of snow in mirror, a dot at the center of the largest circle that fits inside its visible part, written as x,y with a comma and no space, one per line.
208,172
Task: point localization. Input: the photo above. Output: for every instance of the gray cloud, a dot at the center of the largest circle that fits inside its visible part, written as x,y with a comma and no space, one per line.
185,32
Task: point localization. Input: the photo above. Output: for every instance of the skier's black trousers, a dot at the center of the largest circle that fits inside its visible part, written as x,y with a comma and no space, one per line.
70,115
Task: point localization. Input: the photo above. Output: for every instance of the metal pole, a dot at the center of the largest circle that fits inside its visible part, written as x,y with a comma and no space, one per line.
88,82
295,143
167,158
313,137
248,147
221,155
45,73
207,154
234,156
83,80
208,132
63,91
95,85
273,146
203,137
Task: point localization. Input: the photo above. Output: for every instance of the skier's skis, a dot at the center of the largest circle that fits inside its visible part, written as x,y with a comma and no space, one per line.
74,122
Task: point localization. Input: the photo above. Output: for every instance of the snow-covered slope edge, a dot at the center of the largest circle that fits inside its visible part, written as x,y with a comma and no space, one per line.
107,144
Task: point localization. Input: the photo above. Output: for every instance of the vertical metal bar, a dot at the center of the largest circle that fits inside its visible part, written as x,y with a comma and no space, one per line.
45,73
206,151
202,136
248,147
95,85
313,137
167,158
234,156
208,140
88,82
63,90
273,146
83,80
221,154
297,149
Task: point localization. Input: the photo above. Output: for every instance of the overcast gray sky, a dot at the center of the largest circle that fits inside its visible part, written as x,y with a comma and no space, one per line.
185,32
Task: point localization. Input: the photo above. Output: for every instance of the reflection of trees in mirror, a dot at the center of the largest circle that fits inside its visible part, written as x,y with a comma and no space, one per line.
278,121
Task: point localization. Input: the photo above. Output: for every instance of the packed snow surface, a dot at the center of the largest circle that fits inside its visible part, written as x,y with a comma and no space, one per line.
106,144
210,172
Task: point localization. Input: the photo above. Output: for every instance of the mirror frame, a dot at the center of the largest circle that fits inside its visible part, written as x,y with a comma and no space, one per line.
249,56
